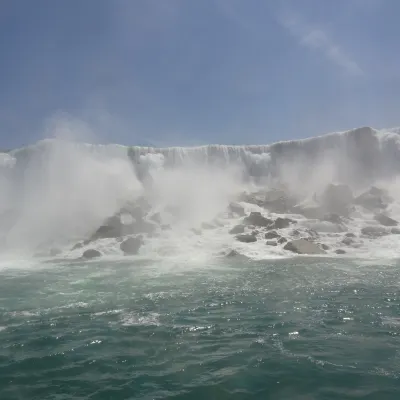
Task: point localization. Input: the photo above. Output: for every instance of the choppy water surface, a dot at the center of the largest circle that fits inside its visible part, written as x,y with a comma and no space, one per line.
298,329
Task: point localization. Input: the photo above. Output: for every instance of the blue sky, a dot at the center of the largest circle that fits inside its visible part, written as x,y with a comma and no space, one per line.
180,72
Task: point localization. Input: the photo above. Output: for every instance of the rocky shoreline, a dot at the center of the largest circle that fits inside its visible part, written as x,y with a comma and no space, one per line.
281,222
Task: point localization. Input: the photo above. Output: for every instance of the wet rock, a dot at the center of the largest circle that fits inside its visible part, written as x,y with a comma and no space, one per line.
385,220
340,251
350,235
310,210
233,253
237,229
237,209
395,231
271,243
257,219
282,240
324,246
131,245
348,241
373,199
282,223
246,238
374,231
90,254
255,232
272,235
302,246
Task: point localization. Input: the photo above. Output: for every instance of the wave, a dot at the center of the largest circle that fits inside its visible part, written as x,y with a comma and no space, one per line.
59,191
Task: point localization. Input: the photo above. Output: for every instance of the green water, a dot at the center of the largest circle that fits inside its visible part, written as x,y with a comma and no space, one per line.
299,329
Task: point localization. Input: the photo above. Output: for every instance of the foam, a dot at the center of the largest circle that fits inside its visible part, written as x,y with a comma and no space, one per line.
61,190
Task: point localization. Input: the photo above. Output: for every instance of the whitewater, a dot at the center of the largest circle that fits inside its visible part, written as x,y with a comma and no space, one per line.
221,272
58,192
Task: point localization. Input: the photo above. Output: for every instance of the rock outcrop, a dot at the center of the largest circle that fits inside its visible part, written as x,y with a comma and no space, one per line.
385,220
246,238
257,219
131,245
90,254
303,246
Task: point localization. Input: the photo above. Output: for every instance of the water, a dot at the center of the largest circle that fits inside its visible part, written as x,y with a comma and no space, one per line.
285,329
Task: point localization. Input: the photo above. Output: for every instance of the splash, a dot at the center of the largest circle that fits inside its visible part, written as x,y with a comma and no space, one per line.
59,190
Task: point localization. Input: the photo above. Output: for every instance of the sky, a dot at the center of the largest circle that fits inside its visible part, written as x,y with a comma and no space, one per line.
180,72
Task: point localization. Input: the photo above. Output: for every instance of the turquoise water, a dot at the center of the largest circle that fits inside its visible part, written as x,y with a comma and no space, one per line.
299,329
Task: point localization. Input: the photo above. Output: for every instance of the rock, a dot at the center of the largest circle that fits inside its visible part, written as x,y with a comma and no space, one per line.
91,253
257,219
233,253
272,235
131,245
302,246
282,240
246,238
373,199
334,218
237,229
312,233
350,235
374,231
255,232
395,231
237,209
281,223
340,251
337,198
310,210
324,246
385,220
348,241
271,243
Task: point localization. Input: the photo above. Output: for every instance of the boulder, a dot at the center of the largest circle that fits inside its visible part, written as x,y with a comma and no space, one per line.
237,209
271,243
373,199
337,198
282,240
374,231
131,245
350,235
257,219
90,254
272,235
302,246
232,253
395,231
246,238
281,223
348,241
334,218
237,229
324,246
385,220
340,251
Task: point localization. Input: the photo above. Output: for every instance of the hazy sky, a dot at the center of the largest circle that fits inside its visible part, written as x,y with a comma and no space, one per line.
189,72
